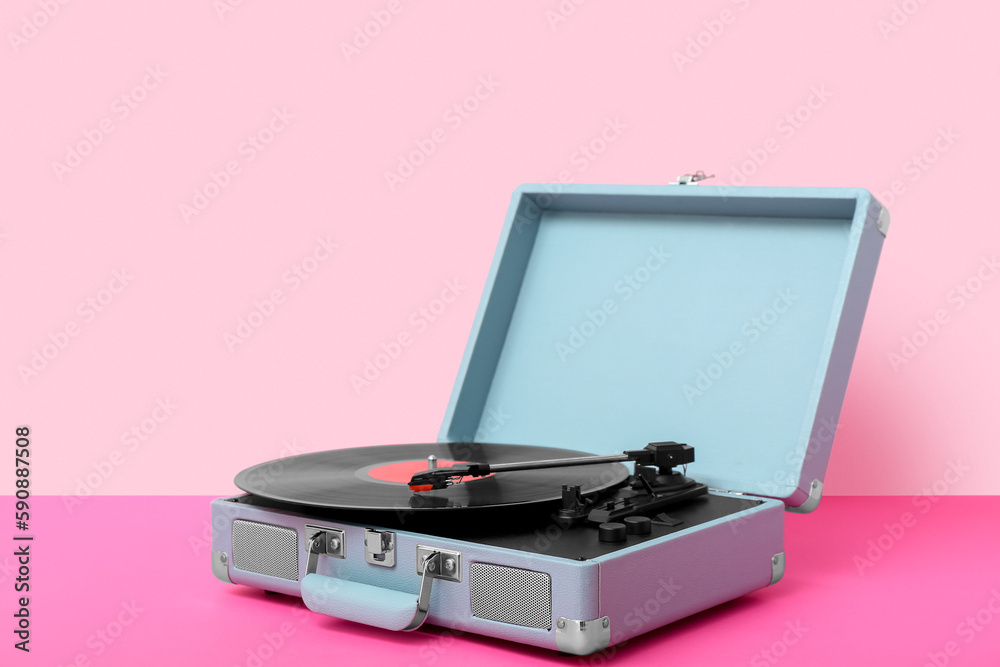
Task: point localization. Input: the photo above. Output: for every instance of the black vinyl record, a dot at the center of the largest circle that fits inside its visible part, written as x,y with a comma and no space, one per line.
375,478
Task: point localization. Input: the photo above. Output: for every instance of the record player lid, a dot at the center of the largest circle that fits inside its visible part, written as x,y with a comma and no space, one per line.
723,317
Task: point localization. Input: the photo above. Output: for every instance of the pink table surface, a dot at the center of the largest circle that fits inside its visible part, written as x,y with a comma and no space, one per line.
126,581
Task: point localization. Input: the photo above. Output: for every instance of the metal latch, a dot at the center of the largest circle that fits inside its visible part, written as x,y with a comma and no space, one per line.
440,563
692,179
323,541
380,547
433,563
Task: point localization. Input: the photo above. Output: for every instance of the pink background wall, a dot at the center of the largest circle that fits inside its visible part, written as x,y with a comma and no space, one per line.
158,98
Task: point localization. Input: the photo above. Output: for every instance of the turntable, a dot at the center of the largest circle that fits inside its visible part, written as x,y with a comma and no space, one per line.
613,317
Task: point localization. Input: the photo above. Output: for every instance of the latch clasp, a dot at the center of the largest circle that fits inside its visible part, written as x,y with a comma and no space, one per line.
380,547
692,179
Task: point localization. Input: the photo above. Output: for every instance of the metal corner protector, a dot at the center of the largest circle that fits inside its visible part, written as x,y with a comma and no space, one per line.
220,566
583,637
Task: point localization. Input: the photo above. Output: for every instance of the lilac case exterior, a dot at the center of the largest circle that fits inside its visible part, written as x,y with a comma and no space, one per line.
698,264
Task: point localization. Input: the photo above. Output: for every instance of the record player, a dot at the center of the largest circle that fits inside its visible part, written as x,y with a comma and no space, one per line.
654,376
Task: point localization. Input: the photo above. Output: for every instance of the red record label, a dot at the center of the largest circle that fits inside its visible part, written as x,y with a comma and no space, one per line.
402,471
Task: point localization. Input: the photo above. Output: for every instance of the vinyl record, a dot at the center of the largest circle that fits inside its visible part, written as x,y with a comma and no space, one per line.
375,478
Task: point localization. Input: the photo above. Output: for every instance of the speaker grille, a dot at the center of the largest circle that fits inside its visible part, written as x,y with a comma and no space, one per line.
266,549
511,595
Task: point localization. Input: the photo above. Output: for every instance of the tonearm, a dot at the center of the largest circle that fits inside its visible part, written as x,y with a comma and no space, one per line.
662,455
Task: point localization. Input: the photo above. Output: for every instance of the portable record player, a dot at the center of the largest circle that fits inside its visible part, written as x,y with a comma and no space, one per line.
701,335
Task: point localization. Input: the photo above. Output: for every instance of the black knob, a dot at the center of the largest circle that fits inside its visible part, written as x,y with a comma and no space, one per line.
638,525
611,532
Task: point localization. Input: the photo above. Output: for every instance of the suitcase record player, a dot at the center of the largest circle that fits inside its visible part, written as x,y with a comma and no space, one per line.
654,376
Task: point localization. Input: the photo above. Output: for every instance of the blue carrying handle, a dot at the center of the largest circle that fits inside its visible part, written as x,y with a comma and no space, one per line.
361,603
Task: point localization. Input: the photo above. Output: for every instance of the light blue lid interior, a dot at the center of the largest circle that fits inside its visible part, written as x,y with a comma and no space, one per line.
622,315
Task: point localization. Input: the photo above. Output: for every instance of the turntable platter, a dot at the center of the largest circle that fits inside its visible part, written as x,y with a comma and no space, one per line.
375,478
